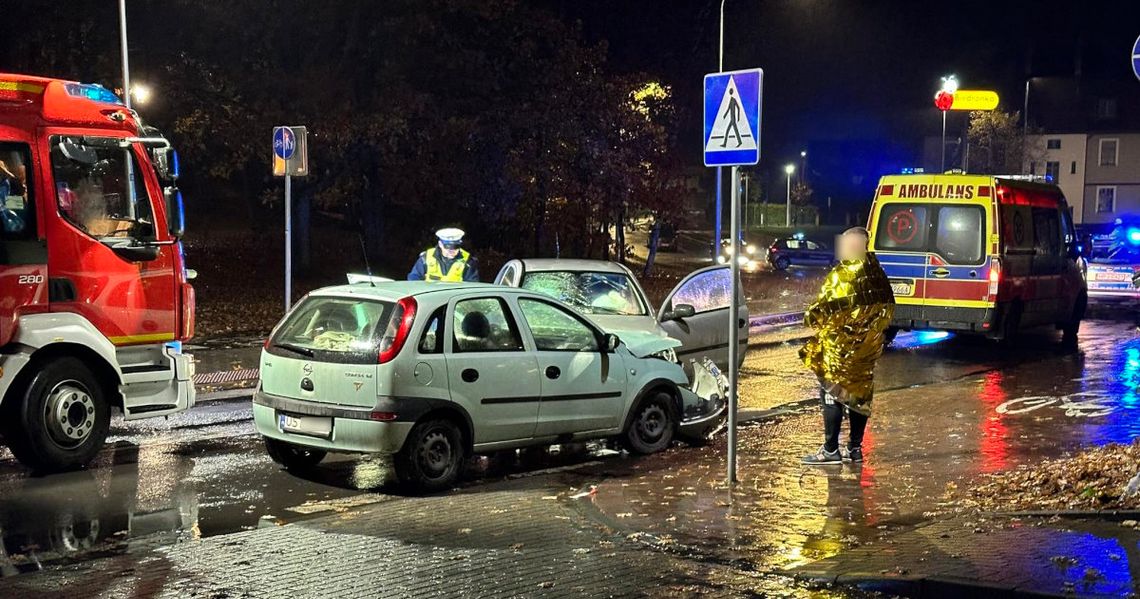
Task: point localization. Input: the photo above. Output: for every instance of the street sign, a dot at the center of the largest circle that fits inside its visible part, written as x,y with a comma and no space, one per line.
290,159
967,99
1136,58
290,151
284,142
732,117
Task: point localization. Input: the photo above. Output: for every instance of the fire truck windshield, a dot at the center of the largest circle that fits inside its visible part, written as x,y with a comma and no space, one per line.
101,190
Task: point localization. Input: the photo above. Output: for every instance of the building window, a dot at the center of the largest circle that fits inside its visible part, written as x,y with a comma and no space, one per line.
1106,199
1106,108
1032,168
1108,152
1053,171
1073,168
1053,144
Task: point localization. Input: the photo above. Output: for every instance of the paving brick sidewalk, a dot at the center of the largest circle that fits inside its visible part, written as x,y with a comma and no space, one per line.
517,540
1000,556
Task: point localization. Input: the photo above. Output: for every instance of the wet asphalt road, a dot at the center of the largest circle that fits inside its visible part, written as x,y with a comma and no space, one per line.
948,409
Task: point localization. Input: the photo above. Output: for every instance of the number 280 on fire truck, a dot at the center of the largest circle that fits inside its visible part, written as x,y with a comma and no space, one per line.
94,298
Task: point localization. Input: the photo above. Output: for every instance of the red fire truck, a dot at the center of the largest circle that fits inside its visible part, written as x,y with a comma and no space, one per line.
94,298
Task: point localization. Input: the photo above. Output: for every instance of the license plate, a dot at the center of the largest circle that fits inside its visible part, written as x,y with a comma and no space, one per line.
313,426
1121,277
899,288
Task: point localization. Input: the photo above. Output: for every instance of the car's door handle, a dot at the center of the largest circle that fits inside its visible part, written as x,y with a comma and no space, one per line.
552,372
469,375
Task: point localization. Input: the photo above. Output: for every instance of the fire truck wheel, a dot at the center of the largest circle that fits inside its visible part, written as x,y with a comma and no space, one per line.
62,419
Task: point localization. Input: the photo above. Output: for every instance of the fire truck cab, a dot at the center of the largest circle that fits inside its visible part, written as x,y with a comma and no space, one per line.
94,295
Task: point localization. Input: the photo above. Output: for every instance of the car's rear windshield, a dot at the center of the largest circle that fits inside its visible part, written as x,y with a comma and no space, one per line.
333,329
953,231
589,292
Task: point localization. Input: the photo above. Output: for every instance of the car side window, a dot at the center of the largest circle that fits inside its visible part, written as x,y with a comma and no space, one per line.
484,325
811,245
1047,232
707,291
102,191
431,342
555,329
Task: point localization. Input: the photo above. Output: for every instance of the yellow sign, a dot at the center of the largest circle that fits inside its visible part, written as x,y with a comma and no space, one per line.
966,99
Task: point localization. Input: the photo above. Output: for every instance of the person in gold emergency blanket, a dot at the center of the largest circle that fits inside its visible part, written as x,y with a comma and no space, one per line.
849,317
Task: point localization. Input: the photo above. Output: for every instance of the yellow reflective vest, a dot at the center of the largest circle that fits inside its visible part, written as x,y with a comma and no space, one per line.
435,272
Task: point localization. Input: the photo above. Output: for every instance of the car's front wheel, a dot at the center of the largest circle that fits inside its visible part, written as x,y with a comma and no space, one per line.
293,457
431,457
653,424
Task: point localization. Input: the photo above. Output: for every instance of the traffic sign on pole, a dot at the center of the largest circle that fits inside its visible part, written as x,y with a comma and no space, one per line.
732,117
290,159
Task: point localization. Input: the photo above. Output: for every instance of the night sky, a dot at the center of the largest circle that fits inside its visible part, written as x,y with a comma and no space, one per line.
846,69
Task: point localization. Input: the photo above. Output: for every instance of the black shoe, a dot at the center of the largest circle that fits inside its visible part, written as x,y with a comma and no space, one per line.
852,454
822,458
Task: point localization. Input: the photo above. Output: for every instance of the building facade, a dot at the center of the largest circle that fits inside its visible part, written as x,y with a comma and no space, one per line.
1062,159
1112,177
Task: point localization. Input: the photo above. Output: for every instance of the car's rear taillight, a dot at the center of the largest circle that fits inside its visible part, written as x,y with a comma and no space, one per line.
995,279
399,326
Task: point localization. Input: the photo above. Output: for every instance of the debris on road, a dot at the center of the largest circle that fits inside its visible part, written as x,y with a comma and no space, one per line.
1096,479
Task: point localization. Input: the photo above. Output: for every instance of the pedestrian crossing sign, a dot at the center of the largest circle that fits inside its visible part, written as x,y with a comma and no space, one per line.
732,117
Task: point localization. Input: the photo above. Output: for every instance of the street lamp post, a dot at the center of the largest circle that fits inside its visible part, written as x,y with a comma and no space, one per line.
788,170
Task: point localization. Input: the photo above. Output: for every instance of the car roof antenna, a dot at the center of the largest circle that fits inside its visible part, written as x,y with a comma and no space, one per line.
367,266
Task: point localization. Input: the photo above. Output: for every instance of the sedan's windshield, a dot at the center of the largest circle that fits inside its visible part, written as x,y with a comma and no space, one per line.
589,292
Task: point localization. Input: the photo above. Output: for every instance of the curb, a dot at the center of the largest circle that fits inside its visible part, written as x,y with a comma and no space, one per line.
907,585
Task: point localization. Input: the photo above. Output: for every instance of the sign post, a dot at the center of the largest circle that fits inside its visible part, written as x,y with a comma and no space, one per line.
290,159
732,138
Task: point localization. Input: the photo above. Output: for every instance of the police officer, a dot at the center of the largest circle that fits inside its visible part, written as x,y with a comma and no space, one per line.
447,261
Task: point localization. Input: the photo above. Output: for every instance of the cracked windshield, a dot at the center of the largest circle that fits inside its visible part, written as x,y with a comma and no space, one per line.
801,299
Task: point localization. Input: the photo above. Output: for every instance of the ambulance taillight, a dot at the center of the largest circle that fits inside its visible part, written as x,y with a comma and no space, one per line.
995,279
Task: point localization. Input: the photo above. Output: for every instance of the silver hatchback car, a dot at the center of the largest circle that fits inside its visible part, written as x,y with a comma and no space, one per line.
433,372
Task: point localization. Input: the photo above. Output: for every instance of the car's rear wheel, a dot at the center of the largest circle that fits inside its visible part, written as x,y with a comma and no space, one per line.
293,457
653,425
782,263
431,457
1011,324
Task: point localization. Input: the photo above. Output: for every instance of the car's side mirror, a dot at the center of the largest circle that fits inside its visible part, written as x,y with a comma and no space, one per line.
612,342
679,312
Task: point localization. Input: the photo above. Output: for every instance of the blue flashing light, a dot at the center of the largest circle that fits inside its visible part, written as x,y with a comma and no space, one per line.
92,91
920,339
1134,236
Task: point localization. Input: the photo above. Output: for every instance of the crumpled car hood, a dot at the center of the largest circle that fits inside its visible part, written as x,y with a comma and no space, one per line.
644,343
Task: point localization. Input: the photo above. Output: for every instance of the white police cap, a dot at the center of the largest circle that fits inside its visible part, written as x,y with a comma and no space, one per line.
450,235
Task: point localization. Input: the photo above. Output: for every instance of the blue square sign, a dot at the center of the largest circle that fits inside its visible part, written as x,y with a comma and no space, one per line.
732,117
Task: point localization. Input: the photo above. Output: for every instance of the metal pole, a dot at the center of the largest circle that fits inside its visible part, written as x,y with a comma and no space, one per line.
744,209
788,217
943,169
719,176
123,52
733,330
288,239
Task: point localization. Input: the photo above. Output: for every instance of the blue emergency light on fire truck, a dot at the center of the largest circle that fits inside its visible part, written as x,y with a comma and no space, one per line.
1113,261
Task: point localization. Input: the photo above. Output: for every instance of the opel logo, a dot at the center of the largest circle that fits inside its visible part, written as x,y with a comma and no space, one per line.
307,369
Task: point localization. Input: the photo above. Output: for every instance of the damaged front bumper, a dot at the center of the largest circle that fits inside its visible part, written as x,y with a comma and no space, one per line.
705,401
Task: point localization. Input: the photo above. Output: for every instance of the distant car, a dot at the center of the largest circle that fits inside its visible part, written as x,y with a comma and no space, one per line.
749,258
694,313
433,372
796,251
668,240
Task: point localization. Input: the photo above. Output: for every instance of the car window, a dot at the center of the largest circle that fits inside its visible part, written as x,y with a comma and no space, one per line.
710,290
484,325
589,292
959,234
1047,232
555,329
19,242
811,245
431,341
902,227
101,190
333,329
792,244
